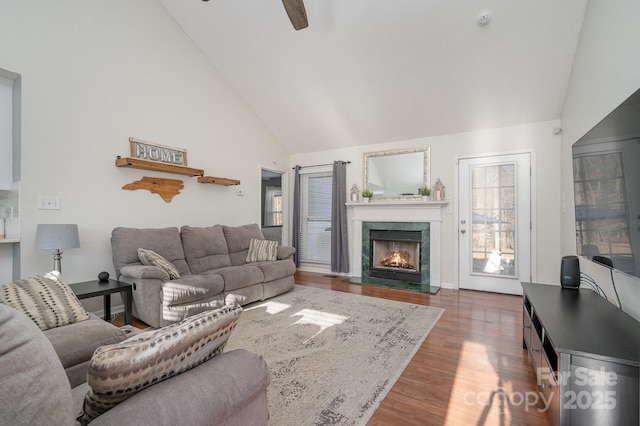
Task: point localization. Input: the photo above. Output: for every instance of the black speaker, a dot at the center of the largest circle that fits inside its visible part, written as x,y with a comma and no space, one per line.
570,272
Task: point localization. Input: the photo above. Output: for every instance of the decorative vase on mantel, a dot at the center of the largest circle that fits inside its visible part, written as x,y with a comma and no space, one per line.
355,193
366,195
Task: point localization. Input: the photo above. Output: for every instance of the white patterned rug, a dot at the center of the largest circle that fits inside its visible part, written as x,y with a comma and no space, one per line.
333,356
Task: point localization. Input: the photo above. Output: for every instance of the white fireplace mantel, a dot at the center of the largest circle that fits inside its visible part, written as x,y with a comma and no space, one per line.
399,211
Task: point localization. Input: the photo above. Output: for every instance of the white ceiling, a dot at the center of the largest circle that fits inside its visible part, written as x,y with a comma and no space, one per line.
373,71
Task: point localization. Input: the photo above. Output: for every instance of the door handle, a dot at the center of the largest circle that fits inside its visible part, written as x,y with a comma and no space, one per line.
462,231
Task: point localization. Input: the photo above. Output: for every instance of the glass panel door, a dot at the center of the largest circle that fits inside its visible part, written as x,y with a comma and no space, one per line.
493,219
494,224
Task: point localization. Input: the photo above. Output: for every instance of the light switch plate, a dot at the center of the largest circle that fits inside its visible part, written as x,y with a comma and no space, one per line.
48,203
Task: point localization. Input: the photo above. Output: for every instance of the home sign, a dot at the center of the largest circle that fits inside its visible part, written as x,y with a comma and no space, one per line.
154,152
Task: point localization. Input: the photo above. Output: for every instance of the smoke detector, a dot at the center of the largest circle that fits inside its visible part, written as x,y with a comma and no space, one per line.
484,18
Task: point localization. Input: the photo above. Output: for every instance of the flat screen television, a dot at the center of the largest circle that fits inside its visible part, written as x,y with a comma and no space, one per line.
606,180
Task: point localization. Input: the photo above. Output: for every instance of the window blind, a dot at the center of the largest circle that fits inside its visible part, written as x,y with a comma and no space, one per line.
315,217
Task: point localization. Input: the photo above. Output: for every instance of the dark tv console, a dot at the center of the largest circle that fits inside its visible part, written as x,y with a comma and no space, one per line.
586,354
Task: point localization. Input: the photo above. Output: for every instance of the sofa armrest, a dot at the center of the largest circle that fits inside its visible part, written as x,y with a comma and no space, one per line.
145,271
231,388
285,252
147,284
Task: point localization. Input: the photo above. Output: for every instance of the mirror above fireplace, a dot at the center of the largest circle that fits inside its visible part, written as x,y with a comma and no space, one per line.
396,174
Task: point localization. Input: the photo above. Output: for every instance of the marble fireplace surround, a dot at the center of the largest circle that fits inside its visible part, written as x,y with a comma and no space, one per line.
411,211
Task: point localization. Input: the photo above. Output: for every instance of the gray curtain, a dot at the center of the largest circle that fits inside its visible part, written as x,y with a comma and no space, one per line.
339,237
296,216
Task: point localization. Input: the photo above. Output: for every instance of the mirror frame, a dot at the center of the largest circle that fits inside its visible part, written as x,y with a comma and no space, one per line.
426,166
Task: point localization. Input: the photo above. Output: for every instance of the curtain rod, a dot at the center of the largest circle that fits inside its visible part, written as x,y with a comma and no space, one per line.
320,165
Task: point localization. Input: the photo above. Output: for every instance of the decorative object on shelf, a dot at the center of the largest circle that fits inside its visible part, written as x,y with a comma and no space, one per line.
355,193
103,276
425,192
218,180
153,152
155,166
438,191
366,195
166,188
56,237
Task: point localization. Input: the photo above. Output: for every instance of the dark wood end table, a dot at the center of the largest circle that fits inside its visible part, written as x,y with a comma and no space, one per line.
96,288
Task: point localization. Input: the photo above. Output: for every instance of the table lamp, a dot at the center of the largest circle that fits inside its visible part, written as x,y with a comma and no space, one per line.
56,237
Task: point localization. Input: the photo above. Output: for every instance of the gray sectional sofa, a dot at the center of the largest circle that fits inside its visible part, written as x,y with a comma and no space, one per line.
211,262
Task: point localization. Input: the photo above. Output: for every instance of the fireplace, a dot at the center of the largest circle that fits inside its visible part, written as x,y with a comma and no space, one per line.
395,255
398,251
399,215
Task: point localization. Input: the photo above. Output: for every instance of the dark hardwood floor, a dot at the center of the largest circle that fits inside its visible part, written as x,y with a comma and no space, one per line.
470,370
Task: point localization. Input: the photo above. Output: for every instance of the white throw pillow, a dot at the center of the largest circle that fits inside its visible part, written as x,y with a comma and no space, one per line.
262,250
149,257
45,299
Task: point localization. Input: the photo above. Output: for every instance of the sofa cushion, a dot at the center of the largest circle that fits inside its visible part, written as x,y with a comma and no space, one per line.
75,343
238,240
45,299
261,250
35,390
236,277
118,371
205,248
125,243
150,257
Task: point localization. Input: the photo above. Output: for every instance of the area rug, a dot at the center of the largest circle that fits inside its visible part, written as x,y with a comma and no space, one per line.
333,356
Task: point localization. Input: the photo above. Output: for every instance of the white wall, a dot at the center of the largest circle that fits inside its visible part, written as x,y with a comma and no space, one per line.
94,74
606,71
537,137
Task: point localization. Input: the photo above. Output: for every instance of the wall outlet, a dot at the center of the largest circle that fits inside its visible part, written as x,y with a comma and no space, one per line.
48,203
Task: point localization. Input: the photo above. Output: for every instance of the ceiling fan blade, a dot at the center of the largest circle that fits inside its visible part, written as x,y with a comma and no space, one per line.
297,13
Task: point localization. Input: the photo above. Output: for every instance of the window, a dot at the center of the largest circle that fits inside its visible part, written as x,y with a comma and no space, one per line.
315,217
273,206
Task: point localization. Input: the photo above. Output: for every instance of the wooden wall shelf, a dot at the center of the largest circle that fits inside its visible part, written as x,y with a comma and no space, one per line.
218,180
154,166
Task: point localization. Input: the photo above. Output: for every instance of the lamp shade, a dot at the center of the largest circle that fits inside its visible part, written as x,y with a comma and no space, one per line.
57,236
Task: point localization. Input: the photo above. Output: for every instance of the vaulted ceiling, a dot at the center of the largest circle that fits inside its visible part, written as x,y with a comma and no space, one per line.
373,71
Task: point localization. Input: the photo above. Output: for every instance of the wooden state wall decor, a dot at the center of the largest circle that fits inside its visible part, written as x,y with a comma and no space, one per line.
166,188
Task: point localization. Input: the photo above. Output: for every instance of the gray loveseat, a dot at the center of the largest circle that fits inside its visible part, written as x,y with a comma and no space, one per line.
229,389
211,262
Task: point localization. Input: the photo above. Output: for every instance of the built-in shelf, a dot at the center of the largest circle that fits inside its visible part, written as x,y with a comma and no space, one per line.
218,180
155,166
9,240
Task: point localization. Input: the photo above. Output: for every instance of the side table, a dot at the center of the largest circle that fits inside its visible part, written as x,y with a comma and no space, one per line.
96,288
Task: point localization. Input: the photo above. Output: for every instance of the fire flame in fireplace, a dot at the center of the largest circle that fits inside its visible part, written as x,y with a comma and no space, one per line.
397,259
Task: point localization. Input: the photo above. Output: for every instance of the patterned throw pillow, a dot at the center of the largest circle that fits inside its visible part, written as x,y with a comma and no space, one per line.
118,371
262,250
148,257
45,299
